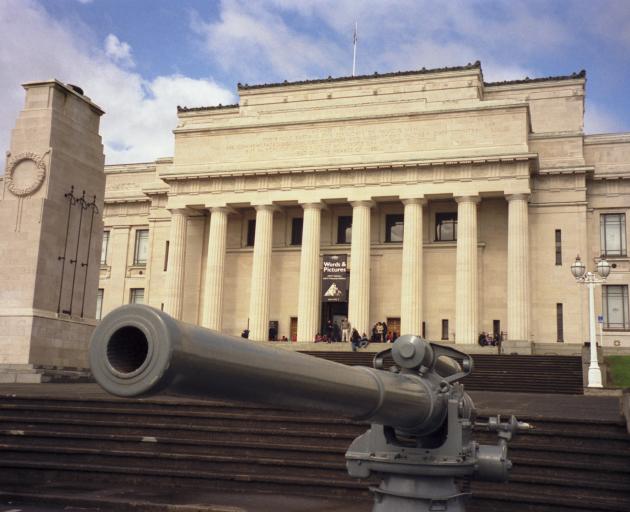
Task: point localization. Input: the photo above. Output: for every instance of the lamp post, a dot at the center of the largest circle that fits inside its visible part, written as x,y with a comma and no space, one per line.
591,279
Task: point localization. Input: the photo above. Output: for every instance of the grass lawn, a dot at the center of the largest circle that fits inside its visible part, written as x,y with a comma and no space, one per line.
619,370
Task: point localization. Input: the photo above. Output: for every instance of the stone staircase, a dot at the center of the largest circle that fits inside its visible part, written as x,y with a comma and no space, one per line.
526,374
50,440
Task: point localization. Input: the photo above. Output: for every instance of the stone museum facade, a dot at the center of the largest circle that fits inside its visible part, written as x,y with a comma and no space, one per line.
458,205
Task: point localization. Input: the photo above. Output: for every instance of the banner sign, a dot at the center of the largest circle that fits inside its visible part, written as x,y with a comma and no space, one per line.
335,278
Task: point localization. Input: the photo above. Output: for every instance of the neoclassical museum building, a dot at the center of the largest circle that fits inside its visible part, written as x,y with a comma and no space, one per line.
447,206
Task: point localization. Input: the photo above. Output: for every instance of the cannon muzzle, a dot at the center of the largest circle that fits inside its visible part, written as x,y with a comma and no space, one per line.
138,351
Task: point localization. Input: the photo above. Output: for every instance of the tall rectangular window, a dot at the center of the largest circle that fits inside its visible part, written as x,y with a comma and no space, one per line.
251,232
104,247
559,323
446,226
344,229
558,247
394,228
296,230
615,307
166,249
99,303
136,296
496,329
142,246
613,234
445,329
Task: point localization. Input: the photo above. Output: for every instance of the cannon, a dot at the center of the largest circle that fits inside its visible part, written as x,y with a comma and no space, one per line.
421,419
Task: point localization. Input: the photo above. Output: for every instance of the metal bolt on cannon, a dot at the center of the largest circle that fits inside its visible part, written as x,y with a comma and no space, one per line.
420,438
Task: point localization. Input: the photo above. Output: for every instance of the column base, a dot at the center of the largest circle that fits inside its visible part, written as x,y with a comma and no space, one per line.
520,347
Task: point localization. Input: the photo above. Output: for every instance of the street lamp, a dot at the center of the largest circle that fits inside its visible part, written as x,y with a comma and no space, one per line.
590,279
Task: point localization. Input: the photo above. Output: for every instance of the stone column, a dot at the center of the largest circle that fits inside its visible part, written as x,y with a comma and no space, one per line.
466,294
359,300
261,273
173,303
215,268
518,269
308,293
411,279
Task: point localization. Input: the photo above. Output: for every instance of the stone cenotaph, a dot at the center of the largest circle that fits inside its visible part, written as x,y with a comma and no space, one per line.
51,203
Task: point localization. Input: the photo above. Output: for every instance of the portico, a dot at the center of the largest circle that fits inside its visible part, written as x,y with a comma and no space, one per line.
409,283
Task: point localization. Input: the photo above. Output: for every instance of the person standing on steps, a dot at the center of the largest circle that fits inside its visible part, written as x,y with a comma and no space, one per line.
345,329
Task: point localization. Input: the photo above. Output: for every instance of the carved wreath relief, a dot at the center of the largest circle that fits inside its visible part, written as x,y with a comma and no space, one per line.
25,173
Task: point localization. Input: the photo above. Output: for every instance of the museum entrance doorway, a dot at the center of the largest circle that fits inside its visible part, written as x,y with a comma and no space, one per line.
334,311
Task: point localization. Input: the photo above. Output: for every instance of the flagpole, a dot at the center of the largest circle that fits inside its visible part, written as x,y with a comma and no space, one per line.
354,50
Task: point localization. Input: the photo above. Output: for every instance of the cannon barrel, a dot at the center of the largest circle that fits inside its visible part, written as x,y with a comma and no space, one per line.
138,351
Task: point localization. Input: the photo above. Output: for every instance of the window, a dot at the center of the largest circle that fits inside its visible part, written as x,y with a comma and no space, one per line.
393,326
99,303
142,243
559,323
615,306
251,232
558,247
344,229
104,247
445,329
424,330
496,329
136,296
446,226
613,234
296,230
166,248
394,228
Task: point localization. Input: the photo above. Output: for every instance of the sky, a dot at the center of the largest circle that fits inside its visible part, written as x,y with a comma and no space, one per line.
139,59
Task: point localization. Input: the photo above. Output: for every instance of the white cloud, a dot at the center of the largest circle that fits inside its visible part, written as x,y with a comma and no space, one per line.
140,114
294,39
255,41
118,51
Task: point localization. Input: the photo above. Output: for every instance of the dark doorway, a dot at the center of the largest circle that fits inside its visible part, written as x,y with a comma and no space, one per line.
334,311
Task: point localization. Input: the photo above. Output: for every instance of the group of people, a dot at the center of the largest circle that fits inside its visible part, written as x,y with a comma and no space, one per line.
380,333
345,332
489,340
334,333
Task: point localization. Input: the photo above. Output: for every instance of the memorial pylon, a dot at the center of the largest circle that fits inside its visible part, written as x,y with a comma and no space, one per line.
51,199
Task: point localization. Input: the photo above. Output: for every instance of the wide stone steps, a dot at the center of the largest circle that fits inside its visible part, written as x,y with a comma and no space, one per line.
559,465
527,374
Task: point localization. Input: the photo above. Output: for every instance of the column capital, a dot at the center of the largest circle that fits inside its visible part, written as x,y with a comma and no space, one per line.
467,199
266,207
222,209
513,197
315,205
367,203
414,200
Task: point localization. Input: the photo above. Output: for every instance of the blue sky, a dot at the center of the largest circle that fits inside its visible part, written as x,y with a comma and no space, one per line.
139,59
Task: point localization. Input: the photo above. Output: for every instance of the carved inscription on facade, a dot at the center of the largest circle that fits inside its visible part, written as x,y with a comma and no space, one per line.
493,132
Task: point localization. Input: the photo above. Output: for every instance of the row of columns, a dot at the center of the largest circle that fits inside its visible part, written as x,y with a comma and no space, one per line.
411,289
